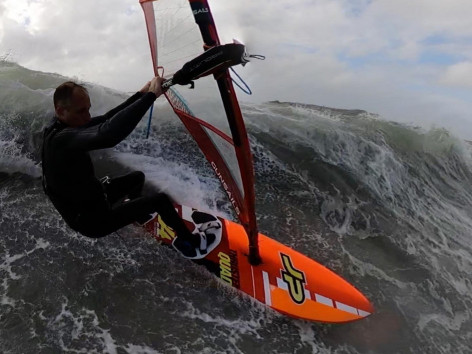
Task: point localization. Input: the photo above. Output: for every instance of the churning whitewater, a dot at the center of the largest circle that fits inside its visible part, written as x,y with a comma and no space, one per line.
386,206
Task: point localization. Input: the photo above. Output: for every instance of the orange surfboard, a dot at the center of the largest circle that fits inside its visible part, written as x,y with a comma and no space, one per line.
287,281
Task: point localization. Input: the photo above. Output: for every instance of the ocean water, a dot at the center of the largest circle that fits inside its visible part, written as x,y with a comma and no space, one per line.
385,205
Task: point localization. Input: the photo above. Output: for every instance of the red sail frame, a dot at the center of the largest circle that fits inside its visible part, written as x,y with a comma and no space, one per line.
243,205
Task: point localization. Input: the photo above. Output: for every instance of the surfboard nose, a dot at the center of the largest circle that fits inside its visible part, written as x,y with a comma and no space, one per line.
294,284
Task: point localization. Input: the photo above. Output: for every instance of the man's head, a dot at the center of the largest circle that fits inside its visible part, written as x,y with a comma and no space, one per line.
72,104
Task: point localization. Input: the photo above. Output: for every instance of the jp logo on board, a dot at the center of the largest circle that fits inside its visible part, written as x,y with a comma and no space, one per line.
294,278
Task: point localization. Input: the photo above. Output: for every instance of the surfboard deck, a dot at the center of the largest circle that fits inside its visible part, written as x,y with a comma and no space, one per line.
286,281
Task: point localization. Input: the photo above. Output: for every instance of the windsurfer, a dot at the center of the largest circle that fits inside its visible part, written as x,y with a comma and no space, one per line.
93,207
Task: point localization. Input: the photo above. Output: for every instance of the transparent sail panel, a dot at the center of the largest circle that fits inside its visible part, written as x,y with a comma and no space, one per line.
226,150
178,41
178,38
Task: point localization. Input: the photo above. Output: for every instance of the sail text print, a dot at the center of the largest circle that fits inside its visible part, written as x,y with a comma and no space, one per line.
226,188
200,11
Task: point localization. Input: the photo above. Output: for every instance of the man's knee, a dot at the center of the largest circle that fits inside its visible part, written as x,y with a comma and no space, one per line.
138,177
161,198
96,224
94,233
92,229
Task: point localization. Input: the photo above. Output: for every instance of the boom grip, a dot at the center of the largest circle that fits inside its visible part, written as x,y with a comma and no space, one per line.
210,62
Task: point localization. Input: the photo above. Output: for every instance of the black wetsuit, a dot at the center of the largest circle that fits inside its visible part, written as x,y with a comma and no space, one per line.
89,206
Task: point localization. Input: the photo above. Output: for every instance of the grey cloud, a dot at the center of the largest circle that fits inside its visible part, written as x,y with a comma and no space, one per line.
335,53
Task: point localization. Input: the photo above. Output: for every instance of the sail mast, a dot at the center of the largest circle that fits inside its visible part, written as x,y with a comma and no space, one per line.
204,19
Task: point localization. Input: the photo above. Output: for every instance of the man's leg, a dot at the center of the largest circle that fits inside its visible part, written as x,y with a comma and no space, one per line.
101,221
129,185
98,224
185,242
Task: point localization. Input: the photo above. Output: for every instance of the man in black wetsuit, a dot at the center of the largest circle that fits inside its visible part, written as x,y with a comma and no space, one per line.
97,208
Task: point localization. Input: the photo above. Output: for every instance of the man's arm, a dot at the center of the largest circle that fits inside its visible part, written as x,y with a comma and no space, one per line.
112,112
111,131
131,100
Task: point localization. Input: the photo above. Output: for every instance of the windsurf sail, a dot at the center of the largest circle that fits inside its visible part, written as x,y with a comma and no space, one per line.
179,31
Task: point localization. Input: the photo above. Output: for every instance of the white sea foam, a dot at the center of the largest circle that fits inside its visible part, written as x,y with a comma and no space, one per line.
13,159
178,180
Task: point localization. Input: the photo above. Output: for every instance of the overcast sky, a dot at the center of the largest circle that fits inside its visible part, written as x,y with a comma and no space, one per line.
407,60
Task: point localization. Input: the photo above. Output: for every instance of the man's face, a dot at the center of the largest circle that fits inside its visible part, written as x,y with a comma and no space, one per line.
77,112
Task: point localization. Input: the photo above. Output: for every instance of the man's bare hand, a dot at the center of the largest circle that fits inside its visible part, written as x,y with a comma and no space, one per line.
155,86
